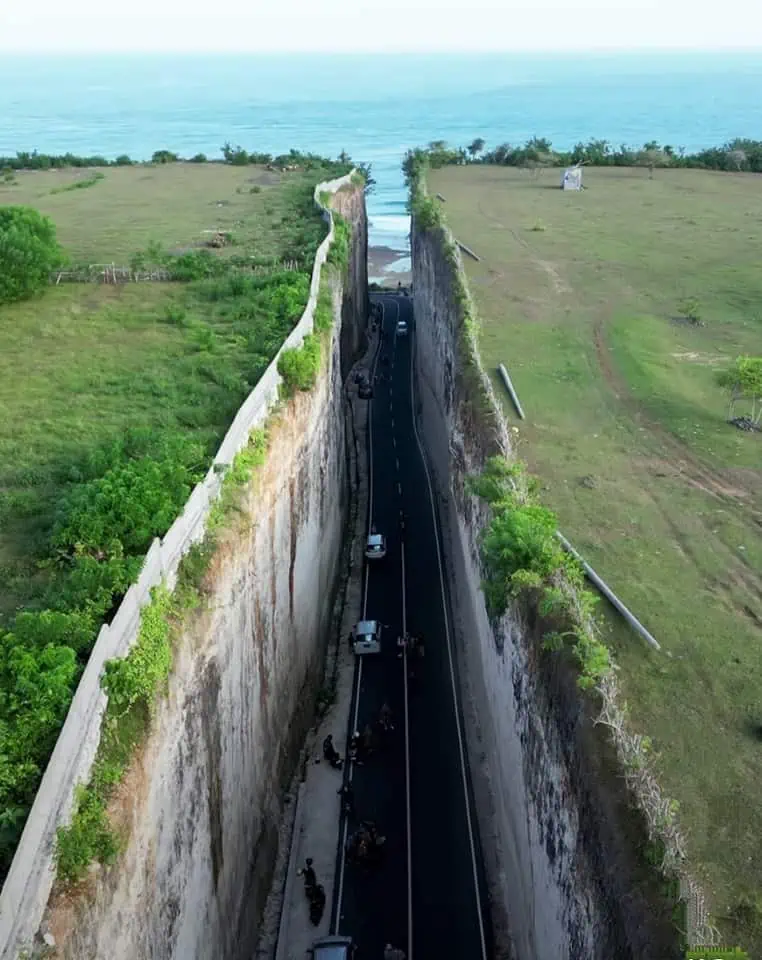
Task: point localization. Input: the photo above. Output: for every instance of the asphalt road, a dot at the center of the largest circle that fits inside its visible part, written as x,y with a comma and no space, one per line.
427,894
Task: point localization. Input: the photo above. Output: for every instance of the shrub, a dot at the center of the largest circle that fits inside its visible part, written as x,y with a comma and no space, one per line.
237,156
88,584
36,687
124,509
75,629
299,366
338,254
29,251
164,156
89,837
324,309
136,678
691,309
522,556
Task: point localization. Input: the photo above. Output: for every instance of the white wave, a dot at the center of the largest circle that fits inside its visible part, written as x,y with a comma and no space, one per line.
390,223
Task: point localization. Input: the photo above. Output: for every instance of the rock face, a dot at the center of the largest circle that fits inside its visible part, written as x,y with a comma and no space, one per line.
557,838
350,203
202,803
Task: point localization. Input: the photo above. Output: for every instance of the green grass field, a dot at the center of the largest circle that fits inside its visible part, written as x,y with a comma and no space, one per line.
580,297
85,362
173,204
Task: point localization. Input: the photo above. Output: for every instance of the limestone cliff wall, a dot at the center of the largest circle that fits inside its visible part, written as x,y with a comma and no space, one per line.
556,831
349,202
202,802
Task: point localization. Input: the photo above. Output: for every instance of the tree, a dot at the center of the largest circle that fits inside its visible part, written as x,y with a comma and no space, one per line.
370,181
475,147
29,251
652,156
743,381
164,156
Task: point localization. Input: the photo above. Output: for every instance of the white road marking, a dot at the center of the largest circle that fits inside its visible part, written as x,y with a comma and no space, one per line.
407,772
397,462
399,489
453,684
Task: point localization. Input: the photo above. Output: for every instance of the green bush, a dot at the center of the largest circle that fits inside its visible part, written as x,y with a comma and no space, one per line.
125,509
323,319
29,252
75,629
131,684
36,686
245,462
136,677
88,838
164,156
299,366
338,254
519,548
523,557
86,583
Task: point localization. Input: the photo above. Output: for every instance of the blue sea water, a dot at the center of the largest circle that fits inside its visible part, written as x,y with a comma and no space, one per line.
374,107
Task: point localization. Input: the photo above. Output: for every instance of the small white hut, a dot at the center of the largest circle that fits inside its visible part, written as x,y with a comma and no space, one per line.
572,178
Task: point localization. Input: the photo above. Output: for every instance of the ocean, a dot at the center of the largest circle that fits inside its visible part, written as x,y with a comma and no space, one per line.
373,106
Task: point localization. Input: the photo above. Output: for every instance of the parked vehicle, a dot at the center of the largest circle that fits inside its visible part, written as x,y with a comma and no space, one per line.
333,948
366,637
375,549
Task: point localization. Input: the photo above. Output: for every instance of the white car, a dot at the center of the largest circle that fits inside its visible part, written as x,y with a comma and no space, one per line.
366,637
375,548
333,948
402,328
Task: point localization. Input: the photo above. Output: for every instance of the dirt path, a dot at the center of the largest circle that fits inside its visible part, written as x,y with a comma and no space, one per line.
675,453
739,583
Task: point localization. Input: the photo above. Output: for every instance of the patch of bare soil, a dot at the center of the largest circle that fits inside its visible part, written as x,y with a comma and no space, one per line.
560,286
703,358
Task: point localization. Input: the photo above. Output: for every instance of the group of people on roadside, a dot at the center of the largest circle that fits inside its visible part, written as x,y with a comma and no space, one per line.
366,843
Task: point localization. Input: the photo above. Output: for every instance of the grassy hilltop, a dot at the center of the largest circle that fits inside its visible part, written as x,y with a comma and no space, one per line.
115,398
585,297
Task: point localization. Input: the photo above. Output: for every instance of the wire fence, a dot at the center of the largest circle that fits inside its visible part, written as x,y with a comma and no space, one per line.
114,273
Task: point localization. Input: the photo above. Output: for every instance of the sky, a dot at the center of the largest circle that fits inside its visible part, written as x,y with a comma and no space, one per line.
398,25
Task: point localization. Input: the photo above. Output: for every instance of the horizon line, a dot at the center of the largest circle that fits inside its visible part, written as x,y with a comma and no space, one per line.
360,51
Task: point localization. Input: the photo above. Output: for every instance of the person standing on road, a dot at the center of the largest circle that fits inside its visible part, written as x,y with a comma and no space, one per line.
310,877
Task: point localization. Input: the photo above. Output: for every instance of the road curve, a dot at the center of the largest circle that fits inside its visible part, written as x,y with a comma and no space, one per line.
427,895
